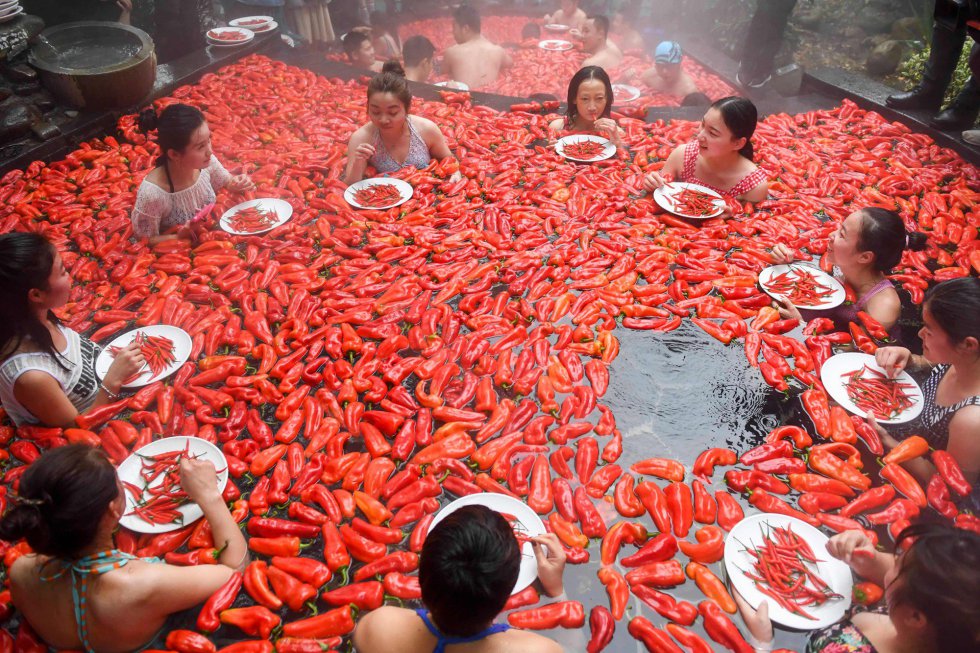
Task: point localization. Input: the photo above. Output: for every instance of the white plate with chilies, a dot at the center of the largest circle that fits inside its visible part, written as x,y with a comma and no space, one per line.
228,36
556,27
673,196
585,148
525,521
180,350
804,286
254,23
556,45
840,368
625,93
130,473
378,193
256,216
751,533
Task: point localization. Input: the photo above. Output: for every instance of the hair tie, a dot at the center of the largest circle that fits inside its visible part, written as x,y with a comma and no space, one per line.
24,501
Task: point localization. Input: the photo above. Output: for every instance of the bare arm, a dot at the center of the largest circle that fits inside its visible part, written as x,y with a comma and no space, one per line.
200,481
506,61
759,194
886,308
435,139
359,151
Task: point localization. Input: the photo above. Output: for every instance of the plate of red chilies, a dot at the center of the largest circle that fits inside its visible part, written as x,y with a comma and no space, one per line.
856,382
525,522
165,349
155,501
804,286
785,561
585,148
256,216
378,193
689,200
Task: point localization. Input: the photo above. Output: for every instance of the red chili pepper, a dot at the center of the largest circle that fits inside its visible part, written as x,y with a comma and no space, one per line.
223,597
563,614
602,626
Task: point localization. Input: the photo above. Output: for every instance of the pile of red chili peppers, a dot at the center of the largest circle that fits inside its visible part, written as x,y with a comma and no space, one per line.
799,286
362,368
875,393
157,350
377,195
584,150
251,219
161,495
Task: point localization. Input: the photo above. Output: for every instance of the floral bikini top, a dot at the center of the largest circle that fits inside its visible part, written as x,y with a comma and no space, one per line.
842,637
418,153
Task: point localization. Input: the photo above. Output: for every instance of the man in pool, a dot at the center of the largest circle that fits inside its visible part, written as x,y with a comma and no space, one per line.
474,60
568,14
595,41
418,53
666,75
360,51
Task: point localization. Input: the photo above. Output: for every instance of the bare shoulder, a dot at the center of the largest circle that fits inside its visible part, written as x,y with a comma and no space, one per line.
361,135
523,641
424,125
157,177
966,424
380,629
557,124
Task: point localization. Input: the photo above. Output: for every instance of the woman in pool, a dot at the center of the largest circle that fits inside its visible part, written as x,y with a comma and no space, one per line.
720,157
393,138
590,99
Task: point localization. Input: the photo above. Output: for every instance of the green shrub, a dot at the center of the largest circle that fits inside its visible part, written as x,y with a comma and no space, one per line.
912,68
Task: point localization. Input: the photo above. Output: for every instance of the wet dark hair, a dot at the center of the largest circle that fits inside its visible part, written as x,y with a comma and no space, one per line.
61,499
353,41
601,23
741,117
883,234
392,80
531,31
585,74
696,99
26,260
467,569
417,49
385,23
940,575
175,125
955,305
467,16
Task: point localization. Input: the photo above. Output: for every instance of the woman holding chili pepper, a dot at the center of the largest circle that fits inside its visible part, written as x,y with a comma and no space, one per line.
590,100
186,177
931,586
467,569
47,371
866,246
394,138
721,156
77,590
950,418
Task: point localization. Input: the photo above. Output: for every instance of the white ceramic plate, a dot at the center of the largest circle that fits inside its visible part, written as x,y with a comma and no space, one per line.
625,93
268,28
130,469
7,4
830,375
555,45
750,532
608,152
664,196
282,209
254,23
182,350
246,36
404,188
830,301
12,14
502,503
556,27
456,86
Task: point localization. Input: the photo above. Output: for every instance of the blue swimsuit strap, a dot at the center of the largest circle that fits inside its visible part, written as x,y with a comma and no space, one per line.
93,565
446,640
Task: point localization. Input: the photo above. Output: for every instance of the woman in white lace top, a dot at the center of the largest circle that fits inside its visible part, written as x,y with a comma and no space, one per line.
47,371
186,177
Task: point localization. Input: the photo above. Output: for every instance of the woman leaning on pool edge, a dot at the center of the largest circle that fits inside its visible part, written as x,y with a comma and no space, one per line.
720,157
69,504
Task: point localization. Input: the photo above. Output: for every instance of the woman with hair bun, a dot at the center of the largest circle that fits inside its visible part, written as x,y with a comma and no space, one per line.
186,177
394,138
76,590
720,157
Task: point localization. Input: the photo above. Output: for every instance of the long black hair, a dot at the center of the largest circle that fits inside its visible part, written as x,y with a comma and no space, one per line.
175,125
955,304
586,74
26,260
61,500
883,234
741,117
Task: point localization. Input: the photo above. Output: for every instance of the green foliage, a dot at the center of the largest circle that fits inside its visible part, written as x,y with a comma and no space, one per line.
912,68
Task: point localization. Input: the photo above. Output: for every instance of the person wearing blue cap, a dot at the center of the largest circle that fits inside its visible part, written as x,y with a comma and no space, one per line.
667,74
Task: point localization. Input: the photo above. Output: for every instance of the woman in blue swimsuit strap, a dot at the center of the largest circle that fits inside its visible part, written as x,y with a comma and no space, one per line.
467,570
394,138
77,590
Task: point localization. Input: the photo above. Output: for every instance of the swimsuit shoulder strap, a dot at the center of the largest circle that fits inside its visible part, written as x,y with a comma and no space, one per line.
442,641
877,288
748,182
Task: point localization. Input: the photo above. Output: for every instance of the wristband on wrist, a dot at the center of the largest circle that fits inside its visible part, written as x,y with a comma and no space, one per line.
112,395
759,646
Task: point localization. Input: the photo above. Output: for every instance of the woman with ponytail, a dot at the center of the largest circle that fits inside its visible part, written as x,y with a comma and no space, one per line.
186,177
394,138
47,371
76,589
721,155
